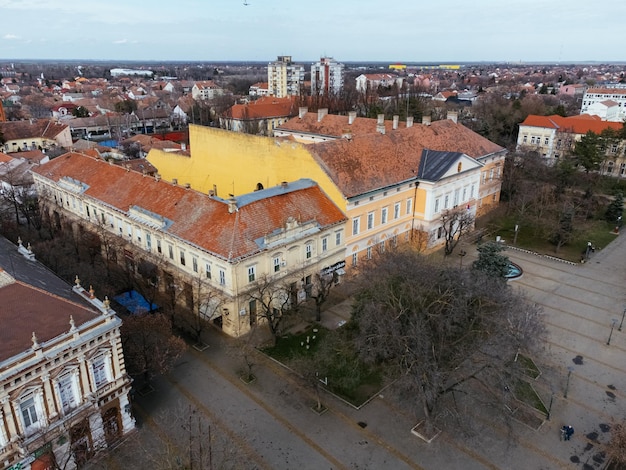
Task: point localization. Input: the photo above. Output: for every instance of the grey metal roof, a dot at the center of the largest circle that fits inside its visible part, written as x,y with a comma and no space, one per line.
435,163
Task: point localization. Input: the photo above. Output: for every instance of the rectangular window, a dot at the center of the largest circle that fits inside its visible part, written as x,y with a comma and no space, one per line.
182,257
464,197
138,232
370,221
355,259
148,241
383,215
484,176
222,277
456,197
472,191
437,201
381,247
368,254
409,206
546,141
324,244
446,201
66,393
99,370
251,273
356,222
276,264
396,210
29,412
119,226
207,270
490,174
525,139
308,249
87,209
170,250
194,264
129,230
337,238
159,248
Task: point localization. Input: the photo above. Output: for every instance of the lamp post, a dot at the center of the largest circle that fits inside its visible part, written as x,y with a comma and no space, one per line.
613,322
569,374
515,236
588,250
622,322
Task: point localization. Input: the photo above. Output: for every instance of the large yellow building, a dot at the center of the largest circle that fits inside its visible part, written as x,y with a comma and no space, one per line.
390,183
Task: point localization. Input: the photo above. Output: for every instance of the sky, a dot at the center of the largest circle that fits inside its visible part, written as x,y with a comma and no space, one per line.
406,31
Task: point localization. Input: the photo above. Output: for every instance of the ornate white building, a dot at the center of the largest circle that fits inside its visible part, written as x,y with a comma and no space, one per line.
64,391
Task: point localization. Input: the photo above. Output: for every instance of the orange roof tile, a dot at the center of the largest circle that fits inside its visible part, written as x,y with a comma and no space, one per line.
369,162
48,129
334,125
197,218
576,124
266,107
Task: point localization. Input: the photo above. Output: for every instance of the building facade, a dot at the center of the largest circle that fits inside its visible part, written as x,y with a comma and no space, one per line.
554,137
284,235
371,175
326,77
615,92
284,78
40,134
64,391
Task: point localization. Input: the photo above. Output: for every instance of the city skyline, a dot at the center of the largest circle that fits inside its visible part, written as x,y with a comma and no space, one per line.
260,30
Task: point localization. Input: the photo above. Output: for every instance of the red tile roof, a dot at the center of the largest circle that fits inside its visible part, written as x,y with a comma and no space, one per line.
606,91
372,161
197,218
45,314
334,125
48,129
576,124
266,107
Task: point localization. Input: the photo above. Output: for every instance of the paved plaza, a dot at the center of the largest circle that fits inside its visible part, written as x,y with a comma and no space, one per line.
270,420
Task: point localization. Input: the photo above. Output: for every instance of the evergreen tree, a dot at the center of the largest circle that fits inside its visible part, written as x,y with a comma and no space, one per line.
491,261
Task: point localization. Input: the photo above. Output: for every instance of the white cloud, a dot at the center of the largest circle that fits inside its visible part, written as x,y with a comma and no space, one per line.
10,36
120,41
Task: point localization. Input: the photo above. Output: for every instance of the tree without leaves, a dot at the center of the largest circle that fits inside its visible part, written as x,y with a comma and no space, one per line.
150,348
455,224
274,302
442,332
320,290
616,447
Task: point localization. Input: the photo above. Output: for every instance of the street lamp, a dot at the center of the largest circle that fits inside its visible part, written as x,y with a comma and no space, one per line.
515,236
569,374
588,250
622,322
613,322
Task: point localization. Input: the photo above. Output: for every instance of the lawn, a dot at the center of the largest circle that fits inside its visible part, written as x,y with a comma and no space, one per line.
598,232
342,373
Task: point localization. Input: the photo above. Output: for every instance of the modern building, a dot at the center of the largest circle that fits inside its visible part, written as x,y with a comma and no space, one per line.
615,93
387,181
64,391
206,90
287,234
326,77
554,137
284,78
372,81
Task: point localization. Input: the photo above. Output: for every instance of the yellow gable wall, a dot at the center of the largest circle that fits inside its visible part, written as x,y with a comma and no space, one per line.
235,162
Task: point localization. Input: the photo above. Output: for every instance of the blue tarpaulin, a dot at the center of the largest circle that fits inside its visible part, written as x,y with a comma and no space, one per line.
134,302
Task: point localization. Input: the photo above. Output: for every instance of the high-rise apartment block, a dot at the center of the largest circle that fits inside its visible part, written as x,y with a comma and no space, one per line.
284,77
326,77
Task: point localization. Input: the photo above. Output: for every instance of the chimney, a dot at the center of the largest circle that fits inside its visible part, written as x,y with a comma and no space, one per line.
174,181
187,185
232,205
302,110
284,185
380,124
346,134
396,119
426,120
157,177
351,117
453,116
321,113
409,121
211,193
